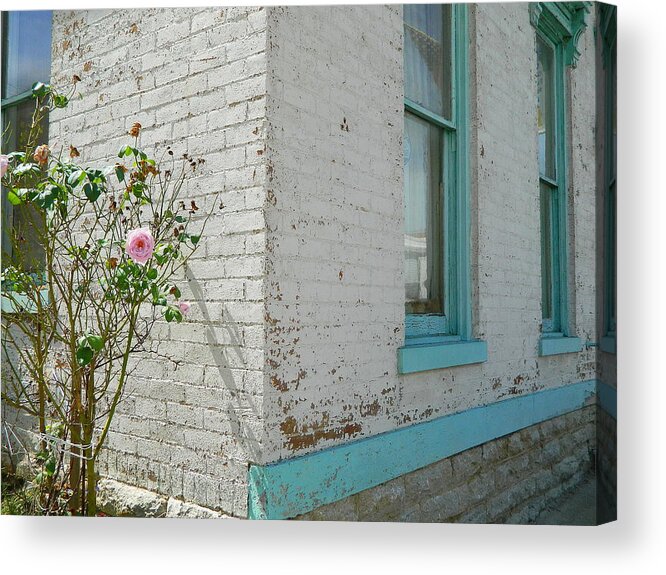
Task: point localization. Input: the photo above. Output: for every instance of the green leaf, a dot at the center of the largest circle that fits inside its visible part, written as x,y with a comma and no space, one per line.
120,173
175,291
181,219
152,274
14,200
173,314
95,342
26,168
60,101
84,355
45,198
76,178
50,466
92,191
195,239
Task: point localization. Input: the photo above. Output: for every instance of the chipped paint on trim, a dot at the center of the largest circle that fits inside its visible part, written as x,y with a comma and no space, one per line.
295,486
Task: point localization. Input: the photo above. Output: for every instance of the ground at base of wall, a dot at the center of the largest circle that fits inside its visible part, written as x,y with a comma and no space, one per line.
576,507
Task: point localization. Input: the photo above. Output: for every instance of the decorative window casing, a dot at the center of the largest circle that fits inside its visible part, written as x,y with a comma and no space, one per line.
558,28
438,315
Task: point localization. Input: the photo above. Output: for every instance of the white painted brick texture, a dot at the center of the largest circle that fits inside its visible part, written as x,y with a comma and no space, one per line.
334,299
195,79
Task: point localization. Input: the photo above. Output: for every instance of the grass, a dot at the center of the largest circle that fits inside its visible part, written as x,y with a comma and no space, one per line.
17,497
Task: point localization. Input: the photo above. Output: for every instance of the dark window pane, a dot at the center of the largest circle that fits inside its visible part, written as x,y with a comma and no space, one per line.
423,216
546,109
546,254
20,246
428,56
26,51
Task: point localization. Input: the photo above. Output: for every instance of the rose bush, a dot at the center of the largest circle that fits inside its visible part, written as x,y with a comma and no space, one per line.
113,241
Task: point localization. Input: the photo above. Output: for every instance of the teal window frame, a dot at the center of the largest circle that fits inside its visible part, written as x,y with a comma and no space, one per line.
446,340
608,30
559,26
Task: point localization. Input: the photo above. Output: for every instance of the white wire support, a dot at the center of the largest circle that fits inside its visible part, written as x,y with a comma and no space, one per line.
54,442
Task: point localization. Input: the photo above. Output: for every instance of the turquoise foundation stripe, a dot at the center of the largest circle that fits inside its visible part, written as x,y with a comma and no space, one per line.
607,398
295,486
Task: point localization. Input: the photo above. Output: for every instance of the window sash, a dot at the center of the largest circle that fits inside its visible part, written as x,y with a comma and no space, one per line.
610,160
456,322
552,192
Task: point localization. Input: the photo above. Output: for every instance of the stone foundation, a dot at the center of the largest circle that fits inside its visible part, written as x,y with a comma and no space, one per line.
122,500
508,480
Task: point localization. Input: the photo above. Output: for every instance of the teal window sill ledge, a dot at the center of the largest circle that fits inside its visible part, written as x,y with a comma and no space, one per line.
18,302
608,344
415,358
558,345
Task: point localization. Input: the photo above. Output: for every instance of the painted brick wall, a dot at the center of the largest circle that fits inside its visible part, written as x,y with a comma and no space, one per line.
292,344
195,79
334,300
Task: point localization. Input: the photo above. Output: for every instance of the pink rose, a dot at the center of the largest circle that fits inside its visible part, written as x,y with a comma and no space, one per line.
4,164
140,245
184,307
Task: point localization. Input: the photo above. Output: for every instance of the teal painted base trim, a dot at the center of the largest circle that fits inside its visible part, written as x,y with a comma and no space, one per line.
414,358
608,344
295,486
557,345
607,398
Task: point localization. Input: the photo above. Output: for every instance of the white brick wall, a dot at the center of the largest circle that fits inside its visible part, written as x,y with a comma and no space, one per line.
195,79
292,345
334,297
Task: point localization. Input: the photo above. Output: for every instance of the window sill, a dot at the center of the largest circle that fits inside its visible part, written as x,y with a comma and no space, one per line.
608,344
557,345
416,358
17,303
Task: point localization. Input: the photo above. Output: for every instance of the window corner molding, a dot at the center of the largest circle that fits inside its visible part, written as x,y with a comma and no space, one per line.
562,22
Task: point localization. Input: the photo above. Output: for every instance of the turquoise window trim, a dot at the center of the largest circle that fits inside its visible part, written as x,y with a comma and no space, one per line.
559,25
556,344
438,355
455,325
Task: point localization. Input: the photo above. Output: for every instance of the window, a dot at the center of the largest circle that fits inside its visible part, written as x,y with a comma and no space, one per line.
437,268
608,24
558,27
26,59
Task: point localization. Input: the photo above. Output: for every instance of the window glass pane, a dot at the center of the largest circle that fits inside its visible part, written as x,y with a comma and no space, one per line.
423,216
26,51
428,56
546,109
19,242
612,256
547,255
613,96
